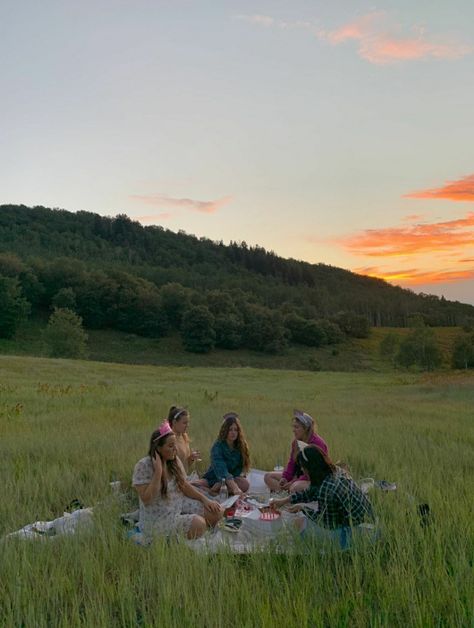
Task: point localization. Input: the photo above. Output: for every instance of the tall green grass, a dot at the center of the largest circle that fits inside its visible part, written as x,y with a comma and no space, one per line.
68,427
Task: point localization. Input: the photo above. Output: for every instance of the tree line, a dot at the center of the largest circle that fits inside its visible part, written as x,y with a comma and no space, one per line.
114,273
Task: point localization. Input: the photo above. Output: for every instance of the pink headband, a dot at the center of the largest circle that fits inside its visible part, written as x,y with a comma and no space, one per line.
164,429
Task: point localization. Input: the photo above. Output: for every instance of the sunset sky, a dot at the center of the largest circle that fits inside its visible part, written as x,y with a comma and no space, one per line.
337,132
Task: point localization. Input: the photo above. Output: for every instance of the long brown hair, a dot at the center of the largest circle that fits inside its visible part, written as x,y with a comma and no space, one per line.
175,413
172,466
240,444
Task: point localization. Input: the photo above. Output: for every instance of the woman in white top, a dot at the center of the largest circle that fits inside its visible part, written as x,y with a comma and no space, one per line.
168,503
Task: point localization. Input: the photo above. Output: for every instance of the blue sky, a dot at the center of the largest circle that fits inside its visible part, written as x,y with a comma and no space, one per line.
331,132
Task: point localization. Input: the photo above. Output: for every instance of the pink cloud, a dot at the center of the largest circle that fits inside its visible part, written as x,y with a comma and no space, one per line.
380,43
161,200
460,190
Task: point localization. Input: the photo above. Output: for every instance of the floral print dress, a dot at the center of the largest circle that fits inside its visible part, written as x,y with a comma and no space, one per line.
166,515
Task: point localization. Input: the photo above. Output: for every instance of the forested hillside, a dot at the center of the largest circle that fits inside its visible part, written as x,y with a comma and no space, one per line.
117,274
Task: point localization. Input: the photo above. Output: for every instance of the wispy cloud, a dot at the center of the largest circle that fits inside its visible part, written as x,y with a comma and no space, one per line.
460,190
378,40
152,218
257,19
161,200
414,239
267,21
414,217
414,276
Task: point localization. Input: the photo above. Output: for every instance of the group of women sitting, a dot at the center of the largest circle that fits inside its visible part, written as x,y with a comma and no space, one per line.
173,502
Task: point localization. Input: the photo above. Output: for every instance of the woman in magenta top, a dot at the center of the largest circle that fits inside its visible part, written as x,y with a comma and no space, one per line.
293,479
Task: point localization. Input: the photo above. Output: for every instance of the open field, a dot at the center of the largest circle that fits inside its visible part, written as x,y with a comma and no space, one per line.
67,427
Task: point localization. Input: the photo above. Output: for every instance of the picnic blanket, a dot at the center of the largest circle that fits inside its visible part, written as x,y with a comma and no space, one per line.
256,531
69,523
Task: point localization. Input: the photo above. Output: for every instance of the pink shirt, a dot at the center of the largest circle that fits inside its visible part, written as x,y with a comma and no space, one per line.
290,469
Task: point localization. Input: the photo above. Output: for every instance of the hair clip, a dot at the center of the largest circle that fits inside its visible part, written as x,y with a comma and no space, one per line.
302,446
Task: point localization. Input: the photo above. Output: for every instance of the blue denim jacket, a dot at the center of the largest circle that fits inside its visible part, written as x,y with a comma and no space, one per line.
226,462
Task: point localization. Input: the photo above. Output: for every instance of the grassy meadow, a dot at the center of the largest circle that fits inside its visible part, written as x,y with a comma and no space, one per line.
68,427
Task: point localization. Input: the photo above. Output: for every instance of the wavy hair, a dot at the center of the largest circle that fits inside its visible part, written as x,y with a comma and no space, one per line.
172,466
241,443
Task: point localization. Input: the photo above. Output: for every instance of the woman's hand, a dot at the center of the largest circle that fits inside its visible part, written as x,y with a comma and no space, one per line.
276,504
195,455
212,506
233,488
157,463
284,484
295,508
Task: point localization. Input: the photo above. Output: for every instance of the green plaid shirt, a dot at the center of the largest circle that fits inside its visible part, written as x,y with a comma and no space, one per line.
340,502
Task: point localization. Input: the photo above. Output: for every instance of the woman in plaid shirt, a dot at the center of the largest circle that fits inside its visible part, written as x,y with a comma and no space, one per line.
337,504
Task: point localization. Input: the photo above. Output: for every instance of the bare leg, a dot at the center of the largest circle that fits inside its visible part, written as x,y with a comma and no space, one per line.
242,483
272,480
198,527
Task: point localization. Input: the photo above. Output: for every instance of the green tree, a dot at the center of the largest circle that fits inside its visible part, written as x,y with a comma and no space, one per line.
14,308
354,325
64,335
197,330
304,331
228,331
137,307
175,299
64,299
332,332
420,348
463,352
264,330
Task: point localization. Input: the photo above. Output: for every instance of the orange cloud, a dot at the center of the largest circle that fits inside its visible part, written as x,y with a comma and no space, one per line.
379,42
411,240
461,190
413,276
161,200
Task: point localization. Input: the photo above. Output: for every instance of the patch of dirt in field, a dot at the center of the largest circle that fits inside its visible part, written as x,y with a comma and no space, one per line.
457,378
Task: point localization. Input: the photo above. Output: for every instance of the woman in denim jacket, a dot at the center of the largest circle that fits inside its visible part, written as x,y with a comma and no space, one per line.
230,459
